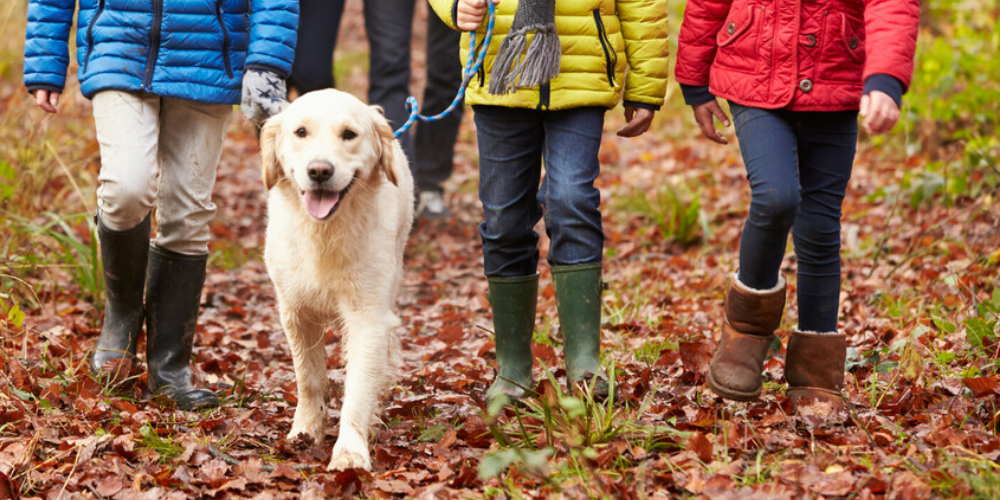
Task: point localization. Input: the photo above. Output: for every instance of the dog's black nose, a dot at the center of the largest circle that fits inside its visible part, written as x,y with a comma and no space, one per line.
320,170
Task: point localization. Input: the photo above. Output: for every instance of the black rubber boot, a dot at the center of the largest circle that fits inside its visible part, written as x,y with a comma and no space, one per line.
173,295
578,299
123,255
514,302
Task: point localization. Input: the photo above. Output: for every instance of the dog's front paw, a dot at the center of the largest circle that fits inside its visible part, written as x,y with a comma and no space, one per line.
346,459
315,434
350,452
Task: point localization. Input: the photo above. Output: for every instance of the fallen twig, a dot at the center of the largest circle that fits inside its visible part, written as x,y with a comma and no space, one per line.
227,458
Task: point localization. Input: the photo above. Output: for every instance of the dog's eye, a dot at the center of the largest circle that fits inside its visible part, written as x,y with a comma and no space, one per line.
348,134
301,132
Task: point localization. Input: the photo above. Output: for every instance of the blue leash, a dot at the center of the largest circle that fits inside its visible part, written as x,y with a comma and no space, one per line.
470,70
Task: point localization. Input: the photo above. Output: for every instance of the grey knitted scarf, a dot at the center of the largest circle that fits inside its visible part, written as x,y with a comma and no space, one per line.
540,63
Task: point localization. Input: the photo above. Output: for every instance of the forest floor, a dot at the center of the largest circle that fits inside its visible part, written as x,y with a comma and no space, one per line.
920,305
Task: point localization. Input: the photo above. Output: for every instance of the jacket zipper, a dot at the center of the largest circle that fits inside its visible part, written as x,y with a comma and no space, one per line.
543,97
606,46
225,39
90,34
154,45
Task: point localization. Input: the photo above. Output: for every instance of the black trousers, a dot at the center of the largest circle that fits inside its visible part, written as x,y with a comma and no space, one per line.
319,24
389,23
435,142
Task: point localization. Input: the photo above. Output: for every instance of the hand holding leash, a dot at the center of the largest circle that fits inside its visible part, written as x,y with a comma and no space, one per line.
469,14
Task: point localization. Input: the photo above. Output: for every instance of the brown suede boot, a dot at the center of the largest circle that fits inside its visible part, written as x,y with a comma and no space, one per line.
751,317
814,368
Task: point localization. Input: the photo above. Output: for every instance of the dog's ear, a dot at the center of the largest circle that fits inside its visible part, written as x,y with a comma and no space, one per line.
269,158
387,150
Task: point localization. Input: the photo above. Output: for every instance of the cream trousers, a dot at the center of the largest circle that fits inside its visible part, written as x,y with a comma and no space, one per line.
159,153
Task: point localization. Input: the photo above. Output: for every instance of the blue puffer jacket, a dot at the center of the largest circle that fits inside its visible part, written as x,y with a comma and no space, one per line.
191,49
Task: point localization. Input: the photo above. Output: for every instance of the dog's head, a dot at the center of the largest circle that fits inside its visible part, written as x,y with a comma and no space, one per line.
323,144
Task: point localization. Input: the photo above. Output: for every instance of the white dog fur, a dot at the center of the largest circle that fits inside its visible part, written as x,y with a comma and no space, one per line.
341,264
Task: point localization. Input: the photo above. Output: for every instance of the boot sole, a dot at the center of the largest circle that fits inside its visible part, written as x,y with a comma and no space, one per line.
732,394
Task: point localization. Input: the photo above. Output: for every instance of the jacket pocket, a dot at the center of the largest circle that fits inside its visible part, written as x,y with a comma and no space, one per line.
90,34
225,39
738,37
610,55
853,39
843,55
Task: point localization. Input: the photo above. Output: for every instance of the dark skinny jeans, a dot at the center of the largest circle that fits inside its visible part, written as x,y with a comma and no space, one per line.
799,165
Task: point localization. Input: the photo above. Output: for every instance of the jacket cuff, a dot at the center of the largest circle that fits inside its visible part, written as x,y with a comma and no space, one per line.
643,105
44,86
696,94
270,69
887,84
454,14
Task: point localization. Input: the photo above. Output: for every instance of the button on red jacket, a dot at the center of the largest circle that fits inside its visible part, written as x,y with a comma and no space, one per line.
804,55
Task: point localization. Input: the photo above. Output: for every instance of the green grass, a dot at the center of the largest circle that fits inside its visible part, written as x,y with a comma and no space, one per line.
543,333
675,211
346,63
947,117
434,432
556,436
76,254
47,180
242,395
968,477
166,448
227,255
650,350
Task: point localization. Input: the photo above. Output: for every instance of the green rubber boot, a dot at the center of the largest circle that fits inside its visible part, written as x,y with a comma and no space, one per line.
513,301
578,300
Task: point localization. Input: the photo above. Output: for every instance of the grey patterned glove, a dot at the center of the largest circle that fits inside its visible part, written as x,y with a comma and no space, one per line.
264,95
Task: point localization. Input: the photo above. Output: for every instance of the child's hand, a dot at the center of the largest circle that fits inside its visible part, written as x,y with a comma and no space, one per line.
703,114
637,121
470,14
47,100
264,95
880,112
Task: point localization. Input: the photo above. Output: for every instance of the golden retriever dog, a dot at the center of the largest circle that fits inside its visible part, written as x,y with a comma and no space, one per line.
340,208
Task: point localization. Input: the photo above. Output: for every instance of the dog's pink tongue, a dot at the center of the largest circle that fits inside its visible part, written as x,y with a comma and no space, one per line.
320,203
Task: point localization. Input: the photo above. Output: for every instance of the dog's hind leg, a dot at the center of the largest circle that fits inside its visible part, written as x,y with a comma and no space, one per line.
305,338
372,359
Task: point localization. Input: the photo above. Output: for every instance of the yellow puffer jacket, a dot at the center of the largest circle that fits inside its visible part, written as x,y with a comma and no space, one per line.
599,39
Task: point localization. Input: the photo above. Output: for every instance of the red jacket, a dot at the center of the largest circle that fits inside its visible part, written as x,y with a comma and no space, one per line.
804,55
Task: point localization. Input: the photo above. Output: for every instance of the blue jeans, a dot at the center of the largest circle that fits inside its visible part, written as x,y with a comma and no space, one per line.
513,143
798,164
